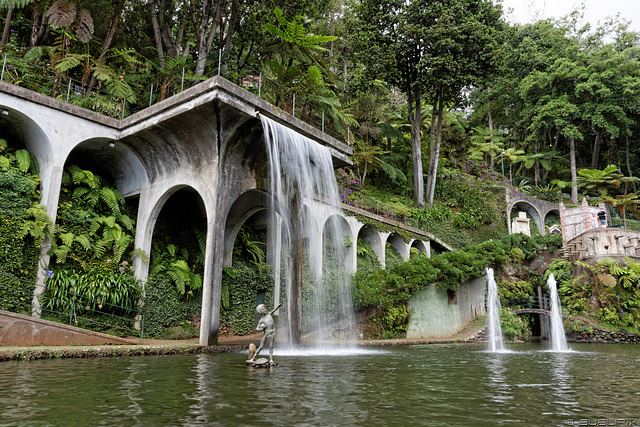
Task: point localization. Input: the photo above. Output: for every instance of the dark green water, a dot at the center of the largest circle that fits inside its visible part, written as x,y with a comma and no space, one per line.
459,385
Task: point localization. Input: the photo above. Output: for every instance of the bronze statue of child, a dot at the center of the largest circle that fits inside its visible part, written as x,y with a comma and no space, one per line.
266,324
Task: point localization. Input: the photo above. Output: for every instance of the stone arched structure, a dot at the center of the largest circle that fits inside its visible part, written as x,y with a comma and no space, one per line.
207,139
537,209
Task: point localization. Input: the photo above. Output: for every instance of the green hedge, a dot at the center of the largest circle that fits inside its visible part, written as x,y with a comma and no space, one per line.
240,287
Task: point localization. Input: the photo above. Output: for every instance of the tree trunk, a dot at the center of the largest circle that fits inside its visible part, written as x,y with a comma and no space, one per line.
157,35
205,34
432,143
536,149
7,26
113,25
490,118
435,149
555,146
33,39
231,25
628,162
415,118
595,154
574,172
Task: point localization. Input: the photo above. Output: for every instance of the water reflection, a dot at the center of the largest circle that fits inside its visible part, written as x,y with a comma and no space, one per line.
562,386
438,384
501,390
205,390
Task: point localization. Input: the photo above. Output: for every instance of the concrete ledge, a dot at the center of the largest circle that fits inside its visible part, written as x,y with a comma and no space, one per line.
20,330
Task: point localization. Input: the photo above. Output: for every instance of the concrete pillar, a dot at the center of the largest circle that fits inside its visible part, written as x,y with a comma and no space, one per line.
51,178
211,282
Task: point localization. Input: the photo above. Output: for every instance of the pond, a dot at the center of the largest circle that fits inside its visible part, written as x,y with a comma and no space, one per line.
453,384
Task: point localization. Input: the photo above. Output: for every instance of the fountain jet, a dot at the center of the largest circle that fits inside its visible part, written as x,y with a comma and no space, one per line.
494,330
558,339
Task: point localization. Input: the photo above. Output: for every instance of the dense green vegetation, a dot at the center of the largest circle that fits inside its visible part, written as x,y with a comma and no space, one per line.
547,109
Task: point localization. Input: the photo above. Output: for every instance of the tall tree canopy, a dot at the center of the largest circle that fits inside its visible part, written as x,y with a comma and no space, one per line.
429,50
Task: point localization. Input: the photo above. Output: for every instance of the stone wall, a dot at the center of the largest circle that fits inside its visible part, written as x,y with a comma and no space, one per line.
20,330
436,313
604,337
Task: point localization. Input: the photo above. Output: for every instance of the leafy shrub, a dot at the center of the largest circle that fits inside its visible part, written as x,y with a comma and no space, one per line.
514,326
511,290
578,326
103,287
162,306
240,286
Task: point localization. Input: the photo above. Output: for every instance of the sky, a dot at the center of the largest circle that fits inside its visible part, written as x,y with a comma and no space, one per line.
528,11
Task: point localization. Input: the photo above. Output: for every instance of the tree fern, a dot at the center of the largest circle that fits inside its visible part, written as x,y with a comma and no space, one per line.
84,27
16,4
61,13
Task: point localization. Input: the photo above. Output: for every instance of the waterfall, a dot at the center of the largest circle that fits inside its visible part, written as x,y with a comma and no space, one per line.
311,279
558,340
494,330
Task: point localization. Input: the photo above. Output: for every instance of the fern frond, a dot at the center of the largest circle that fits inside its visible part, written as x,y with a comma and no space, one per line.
84,30
101,248
61,13
5,163
84,242
16,4
24,160
67,238
109,196
69,62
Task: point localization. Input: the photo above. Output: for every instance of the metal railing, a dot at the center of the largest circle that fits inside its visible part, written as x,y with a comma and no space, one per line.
16,295
631,224
43,80
528,301
47,82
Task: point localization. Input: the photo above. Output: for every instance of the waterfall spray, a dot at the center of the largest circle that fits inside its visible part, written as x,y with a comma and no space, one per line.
314,284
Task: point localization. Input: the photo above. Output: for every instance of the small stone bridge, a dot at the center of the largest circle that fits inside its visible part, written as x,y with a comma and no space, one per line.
206,144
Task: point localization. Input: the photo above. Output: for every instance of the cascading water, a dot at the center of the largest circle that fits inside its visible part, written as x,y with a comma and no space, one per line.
302,182
494,330
558,340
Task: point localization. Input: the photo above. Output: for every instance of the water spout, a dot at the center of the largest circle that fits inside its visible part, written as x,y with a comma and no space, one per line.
558,339
494,330
305,203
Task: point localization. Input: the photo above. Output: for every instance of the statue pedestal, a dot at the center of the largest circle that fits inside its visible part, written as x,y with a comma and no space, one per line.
262,362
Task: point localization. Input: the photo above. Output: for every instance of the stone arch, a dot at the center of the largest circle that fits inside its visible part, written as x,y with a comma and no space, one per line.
339,224
113,160
36,138
548,213
530,209
31,134
244,207
152,200
421,246
398,243
368,233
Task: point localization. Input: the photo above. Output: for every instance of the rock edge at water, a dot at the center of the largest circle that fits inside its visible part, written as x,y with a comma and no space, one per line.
33,353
